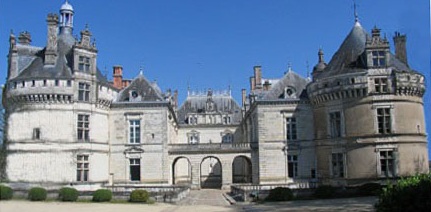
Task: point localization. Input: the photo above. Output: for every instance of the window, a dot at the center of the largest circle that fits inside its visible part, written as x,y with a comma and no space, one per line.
23,84
135,169
292,166
135,131
335,124
36,133
82,168
57,82
291,129
379,58
84,92
193,137
33,83
44,82
384,120
192,120
84,64
83,127
387,163
69,83
337,164
227,138
381,85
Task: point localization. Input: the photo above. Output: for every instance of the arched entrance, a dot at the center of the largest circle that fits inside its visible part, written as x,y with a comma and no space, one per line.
241,170
181,171
211,173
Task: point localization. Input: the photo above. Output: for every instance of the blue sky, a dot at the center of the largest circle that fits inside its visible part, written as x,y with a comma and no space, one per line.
215,44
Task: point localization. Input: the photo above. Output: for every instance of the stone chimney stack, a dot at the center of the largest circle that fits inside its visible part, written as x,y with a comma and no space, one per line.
243,97
51,46
118,76
252,84
258,77
12,57
400,47
24,38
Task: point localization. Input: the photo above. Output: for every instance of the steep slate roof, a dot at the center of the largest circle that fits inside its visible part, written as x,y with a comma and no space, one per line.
351,58
290,79
223,104
147,90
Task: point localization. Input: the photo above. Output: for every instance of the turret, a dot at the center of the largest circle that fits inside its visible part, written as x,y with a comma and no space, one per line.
66,18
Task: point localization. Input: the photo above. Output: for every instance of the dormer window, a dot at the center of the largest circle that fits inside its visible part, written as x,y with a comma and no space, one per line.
84,64
193,137
379,58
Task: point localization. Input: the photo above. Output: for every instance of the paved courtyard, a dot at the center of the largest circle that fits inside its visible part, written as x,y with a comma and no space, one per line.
198,200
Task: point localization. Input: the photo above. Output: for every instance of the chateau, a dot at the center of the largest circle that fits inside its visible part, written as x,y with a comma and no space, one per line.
359,119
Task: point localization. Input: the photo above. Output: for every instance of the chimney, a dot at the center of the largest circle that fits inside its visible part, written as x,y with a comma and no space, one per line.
24,38
258,77
51,46
400,47
252,84
266,85
118,76
243,97
12,57
176,98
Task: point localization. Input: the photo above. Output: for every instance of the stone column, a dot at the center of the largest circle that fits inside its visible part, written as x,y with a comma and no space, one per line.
226,174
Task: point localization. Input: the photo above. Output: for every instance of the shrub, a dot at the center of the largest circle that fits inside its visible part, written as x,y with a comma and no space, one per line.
102,195
280,194
68,194
139,196
5,192
409,194
325,191
370,189
37,194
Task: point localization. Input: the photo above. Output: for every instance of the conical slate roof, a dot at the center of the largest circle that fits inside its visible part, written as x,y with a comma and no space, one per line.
349,52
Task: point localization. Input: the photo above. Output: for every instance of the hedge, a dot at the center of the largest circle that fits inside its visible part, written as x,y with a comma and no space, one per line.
5,192
102,195
37,194
68,194
280,194
139,196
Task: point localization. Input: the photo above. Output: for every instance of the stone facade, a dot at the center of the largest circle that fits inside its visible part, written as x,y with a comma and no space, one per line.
359,119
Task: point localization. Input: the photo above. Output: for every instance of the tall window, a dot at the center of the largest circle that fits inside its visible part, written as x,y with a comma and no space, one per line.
292,164
135,169
337,164
135,131
335,124
381,85
83,127
384,120
84,64
82,168
379,58
387,163
291,129
84,92
36,133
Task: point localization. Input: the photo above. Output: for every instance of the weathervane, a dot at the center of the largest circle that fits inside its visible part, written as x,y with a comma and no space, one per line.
355,11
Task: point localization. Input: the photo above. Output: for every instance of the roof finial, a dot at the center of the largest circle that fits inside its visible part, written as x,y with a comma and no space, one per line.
141,70
308,68
355,11
289,67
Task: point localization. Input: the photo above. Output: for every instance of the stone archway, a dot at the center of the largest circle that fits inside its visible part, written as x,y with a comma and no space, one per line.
181,171
241,170
211,173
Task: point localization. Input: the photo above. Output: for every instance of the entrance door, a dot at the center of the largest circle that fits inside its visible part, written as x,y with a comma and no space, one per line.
135,169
